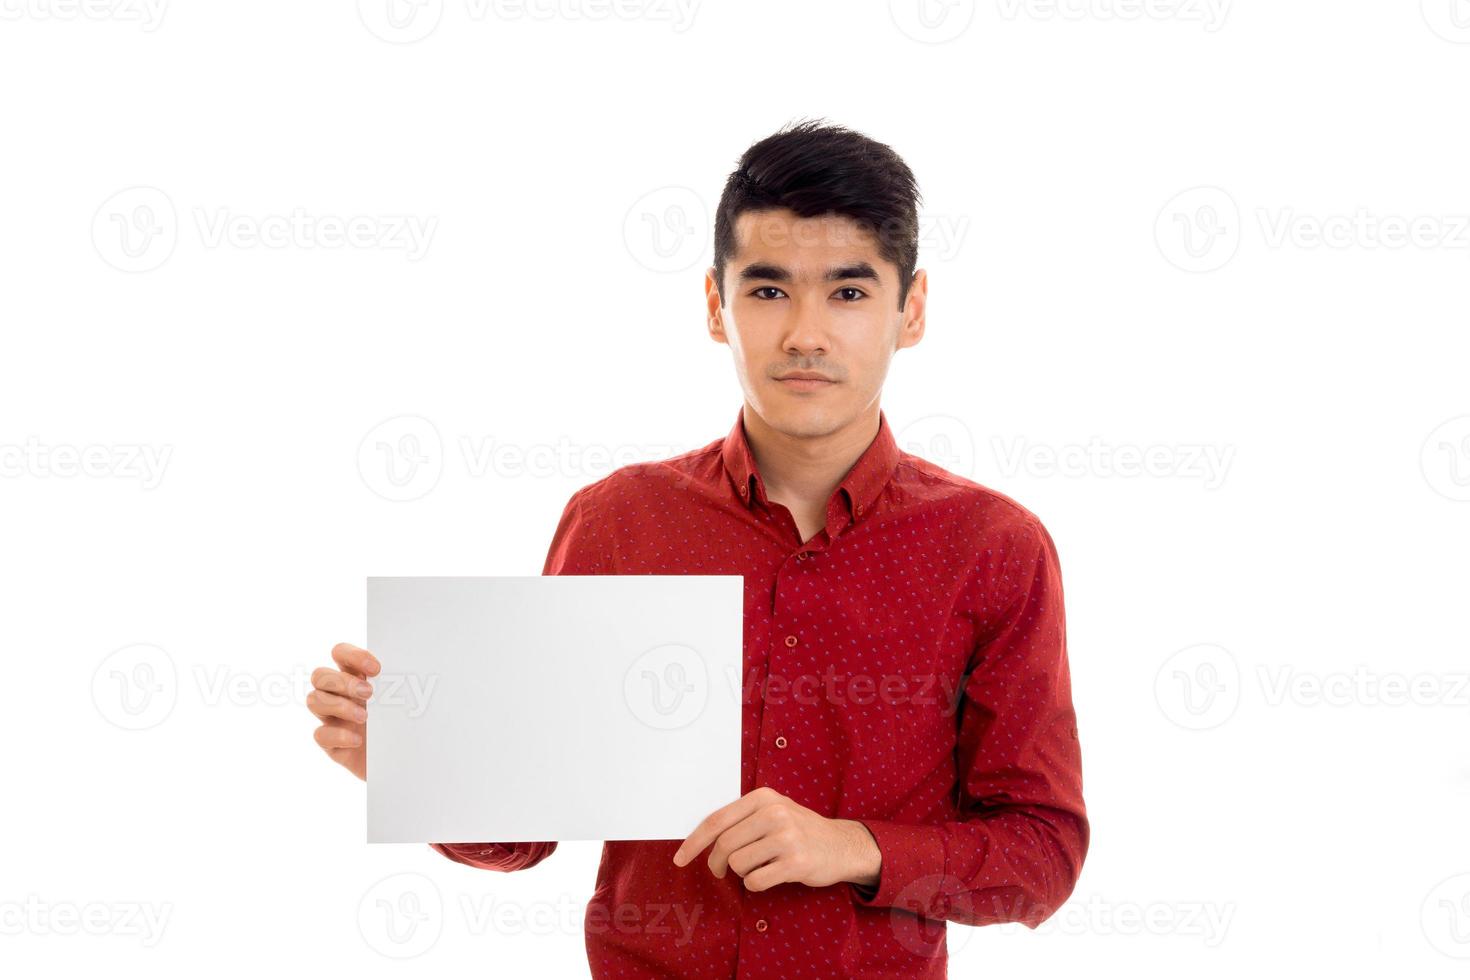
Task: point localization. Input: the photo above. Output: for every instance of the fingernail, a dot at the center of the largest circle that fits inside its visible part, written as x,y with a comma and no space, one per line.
360,714
364,690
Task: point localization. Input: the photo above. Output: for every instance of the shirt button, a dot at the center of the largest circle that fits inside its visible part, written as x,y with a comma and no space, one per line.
791,641
760,925
780,741
801,556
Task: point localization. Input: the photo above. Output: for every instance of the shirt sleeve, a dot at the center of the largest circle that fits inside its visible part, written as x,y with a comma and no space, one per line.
574,551
1018,851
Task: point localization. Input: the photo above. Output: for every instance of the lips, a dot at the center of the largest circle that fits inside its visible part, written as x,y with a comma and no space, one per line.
805,382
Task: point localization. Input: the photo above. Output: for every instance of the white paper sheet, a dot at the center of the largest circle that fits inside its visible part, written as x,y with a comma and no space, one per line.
548,708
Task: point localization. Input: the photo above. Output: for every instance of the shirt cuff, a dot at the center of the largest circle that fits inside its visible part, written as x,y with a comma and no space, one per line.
912,873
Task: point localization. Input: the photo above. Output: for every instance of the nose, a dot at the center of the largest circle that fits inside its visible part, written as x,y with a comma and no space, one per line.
808,331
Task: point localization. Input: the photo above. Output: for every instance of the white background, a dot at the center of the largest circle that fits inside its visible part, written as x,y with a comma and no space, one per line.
1262,794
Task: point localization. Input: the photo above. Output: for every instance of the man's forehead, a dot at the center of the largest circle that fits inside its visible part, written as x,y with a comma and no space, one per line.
782,230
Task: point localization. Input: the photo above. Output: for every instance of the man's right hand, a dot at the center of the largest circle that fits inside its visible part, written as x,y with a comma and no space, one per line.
339,699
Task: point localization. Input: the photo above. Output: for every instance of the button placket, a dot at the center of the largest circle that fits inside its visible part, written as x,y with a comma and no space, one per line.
769,720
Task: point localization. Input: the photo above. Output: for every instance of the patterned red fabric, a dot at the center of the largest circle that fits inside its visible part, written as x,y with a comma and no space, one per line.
905,667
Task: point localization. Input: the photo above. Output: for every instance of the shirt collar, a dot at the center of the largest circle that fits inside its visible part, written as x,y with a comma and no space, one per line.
861,486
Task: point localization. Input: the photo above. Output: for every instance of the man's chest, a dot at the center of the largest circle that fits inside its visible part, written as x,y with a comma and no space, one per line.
854,647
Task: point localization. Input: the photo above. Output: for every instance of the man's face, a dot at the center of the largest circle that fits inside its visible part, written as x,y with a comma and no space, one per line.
811,295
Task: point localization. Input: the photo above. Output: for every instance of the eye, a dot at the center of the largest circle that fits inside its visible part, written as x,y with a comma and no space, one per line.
760,289
852,289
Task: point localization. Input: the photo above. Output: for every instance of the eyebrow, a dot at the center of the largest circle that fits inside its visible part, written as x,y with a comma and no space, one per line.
779,273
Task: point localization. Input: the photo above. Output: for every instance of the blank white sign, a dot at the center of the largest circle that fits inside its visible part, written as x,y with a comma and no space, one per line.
550,708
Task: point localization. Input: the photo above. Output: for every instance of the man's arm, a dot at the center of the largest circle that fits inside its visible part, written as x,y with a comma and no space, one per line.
1018,853
498,857
573,551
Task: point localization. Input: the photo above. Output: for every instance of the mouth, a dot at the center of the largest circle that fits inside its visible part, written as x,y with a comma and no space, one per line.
804,381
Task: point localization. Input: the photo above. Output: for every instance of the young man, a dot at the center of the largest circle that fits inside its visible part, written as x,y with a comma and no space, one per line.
910,751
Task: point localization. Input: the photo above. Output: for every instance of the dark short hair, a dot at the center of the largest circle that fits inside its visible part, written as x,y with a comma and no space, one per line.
815,168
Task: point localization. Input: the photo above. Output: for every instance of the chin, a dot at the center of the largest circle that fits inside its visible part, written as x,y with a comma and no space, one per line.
802,420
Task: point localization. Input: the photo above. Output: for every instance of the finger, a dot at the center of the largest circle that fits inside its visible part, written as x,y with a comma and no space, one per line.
355,660
768,876
337,682
720,821
709,828
336,736
746,859
746,832
325,706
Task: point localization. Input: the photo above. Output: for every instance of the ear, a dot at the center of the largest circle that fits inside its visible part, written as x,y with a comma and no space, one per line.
911,327
715,314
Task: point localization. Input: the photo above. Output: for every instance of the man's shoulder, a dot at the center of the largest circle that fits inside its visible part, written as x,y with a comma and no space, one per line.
990,513
640,478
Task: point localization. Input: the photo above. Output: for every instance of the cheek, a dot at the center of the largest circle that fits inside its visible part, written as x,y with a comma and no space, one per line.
867,367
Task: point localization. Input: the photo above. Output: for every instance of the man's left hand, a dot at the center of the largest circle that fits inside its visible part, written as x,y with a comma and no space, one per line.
767,839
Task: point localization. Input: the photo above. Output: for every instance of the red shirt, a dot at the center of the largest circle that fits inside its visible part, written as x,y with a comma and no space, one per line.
905,667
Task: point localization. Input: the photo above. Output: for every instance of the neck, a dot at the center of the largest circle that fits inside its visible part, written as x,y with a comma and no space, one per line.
806,469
